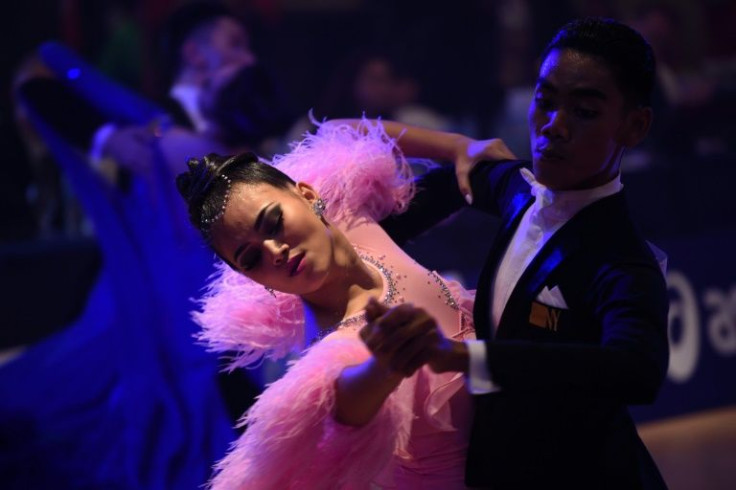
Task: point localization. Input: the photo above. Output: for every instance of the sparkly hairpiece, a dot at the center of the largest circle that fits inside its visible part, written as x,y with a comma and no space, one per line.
206,223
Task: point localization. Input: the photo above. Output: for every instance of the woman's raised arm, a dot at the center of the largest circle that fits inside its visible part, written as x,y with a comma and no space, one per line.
464,152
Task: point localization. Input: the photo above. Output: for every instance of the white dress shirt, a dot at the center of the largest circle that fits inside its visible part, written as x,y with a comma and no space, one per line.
188,96
549,212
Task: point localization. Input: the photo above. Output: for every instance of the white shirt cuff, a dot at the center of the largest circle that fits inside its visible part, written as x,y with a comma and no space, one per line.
479,378
98,143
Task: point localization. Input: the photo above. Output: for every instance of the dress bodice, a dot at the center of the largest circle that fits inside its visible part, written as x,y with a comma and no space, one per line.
441,404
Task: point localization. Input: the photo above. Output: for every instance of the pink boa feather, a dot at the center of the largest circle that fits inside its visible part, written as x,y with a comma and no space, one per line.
292,440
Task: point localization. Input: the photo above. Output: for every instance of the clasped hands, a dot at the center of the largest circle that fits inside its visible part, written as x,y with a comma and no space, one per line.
404,338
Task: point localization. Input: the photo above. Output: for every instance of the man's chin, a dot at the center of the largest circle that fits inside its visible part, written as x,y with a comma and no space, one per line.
541,174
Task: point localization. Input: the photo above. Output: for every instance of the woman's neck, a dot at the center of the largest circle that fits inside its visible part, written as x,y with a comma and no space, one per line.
347,288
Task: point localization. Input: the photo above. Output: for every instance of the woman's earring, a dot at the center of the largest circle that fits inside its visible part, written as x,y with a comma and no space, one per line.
270,291
319,206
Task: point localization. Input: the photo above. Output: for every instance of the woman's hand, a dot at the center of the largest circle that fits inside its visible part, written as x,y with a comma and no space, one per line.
404,338
468,152
401,338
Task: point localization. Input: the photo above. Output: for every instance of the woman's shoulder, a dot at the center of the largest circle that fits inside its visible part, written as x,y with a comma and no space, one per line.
358,170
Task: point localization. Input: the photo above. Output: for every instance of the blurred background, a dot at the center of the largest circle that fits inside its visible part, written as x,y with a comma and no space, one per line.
101,382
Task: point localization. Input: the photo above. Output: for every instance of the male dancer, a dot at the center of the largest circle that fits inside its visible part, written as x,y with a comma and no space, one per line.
571,307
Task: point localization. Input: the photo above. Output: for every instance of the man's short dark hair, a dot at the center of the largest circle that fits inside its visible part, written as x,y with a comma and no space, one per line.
625,51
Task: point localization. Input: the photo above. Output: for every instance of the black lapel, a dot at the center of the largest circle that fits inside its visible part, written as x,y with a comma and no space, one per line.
481,310
560,247
557,249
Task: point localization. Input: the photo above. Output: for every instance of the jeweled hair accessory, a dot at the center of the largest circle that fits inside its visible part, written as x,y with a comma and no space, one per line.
207,222
196,184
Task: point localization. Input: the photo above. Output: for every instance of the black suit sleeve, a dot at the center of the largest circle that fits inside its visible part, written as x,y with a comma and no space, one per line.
629,364
437,198
492,184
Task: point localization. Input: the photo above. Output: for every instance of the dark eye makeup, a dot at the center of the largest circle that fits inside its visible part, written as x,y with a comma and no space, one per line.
271,226
275,221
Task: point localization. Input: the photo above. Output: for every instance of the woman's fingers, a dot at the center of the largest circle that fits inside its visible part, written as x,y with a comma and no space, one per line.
401,338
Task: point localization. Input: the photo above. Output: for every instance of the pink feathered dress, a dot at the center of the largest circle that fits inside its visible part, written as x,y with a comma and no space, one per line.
419,437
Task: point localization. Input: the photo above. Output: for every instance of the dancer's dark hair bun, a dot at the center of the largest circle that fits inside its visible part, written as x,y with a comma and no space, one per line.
201,172
206,184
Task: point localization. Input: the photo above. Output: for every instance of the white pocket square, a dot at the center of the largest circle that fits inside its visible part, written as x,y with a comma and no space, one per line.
552,297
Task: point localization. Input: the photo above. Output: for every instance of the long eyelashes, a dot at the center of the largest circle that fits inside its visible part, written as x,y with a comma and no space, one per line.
253,259
278,224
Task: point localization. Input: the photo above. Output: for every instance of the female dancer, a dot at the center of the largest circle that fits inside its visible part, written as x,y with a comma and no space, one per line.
300,257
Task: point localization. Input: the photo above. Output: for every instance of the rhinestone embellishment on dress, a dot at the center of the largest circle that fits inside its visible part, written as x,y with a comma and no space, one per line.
449,299
391,290
389,297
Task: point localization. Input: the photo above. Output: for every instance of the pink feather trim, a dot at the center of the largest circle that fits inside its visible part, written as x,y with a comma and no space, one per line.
356,170
292,440
239,315
359,172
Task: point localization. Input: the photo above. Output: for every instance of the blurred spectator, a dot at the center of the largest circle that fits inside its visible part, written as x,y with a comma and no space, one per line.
683,86
198,39
371,82
696,103
245,109
453,52
216,87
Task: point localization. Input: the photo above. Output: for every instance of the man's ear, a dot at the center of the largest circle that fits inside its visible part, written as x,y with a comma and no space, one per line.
307,191
636,126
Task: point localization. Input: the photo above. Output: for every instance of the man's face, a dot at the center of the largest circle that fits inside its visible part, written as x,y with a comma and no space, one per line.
575,121
227,47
